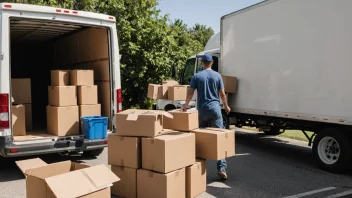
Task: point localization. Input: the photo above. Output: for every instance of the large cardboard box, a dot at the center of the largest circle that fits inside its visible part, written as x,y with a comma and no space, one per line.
87,95
178,92
21,90
214,144
230,83
101,70
136,122
153,91
60,77
62,96
124,151
127,187
62,121
168,152
66,179
84,45
158,185
182,121
29,121
104,97
99,43
196,179
18,120
82,77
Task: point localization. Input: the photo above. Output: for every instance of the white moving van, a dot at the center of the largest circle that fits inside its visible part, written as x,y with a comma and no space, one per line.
35,40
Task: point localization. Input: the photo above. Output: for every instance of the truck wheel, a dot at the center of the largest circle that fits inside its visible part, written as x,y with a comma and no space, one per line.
226,121
272,131
93,153
332,151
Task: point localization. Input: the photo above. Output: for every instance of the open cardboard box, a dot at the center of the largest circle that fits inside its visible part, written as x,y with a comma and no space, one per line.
66,179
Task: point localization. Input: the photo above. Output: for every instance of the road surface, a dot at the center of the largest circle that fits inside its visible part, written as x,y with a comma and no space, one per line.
264,166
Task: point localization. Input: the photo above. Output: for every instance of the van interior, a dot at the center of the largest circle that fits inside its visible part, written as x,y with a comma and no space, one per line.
37,47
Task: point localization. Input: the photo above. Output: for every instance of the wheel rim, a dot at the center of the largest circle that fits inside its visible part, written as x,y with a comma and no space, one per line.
328,150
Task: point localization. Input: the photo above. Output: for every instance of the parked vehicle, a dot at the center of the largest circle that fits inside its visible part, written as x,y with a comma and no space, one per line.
292,63
37,39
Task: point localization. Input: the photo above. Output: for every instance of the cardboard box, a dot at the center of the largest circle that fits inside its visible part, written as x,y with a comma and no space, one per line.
18,120
230,83
87,95
21,90
89,110
168,152
62,121
153,91
84,45
170,83
131,147
157,185
55,180
127,187
214,144
177,93
136,122
62,96
99,43
196,179
101,70
104,97
60,77
82,77
182,121
28,112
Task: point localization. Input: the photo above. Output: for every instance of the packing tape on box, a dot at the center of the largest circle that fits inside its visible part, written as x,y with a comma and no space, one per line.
177,173
122,138
122,162
226,135
152,141
225,154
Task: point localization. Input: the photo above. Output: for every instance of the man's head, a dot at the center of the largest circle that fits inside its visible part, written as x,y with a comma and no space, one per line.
207,61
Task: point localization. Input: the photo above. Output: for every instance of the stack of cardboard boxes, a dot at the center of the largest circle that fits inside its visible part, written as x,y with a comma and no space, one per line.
72,94
148,157
169,89
21,106
66,179
154,153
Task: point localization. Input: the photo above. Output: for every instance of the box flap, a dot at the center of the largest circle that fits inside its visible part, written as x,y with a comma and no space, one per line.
133,115
25,165
81,182
50,170
189,111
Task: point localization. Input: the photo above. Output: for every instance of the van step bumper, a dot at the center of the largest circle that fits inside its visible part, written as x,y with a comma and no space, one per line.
78,145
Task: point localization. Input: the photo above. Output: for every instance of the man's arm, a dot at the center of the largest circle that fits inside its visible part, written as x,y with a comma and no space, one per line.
224,100
188,99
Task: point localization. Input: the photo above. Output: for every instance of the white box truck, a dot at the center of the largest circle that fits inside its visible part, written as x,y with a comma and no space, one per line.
292,60
35,40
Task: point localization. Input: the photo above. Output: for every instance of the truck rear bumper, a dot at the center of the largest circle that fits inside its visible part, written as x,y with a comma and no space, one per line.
8,149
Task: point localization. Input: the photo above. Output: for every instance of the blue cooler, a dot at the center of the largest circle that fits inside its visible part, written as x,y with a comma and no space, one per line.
95,127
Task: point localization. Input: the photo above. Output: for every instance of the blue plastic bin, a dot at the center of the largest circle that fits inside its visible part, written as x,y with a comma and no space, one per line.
95,127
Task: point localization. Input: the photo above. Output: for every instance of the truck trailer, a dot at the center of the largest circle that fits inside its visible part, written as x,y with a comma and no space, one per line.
37,39
292,60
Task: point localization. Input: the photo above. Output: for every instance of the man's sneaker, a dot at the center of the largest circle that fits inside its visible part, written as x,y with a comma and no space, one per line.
222,175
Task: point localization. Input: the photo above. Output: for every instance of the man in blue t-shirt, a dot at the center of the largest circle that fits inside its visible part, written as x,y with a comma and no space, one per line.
209,86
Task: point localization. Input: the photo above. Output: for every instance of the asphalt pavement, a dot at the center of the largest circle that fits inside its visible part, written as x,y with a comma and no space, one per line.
264,166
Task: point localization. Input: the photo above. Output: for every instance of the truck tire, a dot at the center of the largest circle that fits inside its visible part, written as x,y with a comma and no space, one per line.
332,151
93,153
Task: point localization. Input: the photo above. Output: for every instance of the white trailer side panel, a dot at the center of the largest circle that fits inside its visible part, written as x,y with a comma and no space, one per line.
293,58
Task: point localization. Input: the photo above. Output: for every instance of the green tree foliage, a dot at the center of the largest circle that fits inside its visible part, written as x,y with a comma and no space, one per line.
150,44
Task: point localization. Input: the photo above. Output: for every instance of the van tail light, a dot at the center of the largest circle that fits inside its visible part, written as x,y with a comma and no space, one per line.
119,100
4,111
